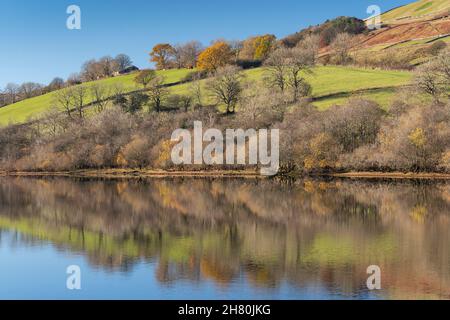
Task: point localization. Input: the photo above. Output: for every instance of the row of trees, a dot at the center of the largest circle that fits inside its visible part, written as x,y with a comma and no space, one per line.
252,52
90,71
166,56
248,53
104,67
193,54
356,136
285,73
73,100
13,92
328,31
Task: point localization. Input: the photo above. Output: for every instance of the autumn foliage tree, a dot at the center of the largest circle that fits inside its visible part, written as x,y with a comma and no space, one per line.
162,54
263,46
258,48
216,56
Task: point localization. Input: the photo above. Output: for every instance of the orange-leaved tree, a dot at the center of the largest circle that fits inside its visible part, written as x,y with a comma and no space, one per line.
216,56
162,54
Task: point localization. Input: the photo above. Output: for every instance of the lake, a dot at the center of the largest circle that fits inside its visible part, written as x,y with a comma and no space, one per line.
223,238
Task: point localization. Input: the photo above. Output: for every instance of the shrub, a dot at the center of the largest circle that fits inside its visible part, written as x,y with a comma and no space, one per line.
436,47
196,75
136,152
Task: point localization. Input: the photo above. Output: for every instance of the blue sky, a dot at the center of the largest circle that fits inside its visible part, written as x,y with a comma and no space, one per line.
35,44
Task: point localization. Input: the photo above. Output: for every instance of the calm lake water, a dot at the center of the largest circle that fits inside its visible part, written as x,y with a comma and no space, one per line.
223,239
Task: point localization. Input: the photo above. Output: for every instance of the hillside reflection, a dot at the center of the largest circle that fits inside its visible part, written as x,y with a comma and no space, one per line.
321,233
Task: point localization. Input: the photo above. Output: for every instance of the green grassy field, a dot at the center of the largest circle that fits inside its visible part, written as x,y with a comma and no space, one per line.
331,85
23,110
416,9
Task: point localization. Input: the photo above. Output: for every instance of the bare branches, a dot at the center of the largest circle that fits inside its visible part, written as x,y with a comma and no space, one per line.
433,78
71,100
100,93
64,100
341,46
226,87
286,66
157,92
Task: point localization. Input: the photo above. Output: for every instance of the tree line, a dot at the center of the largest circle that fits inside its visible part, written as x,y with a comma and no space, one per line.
90,71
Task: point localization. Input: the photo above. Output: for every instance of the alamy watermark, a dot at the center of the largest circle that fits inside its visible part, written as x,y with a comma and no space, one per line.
73,281
231,148
74,20
374,281
374,21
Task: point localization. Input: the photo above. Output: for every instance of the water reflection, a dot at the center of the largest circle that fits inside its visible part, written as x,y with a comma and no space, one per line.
263,233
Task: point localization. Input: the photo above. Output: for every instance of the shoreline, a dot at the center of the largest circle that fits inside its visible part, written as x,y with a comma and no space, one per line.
150,173
136,174
392,175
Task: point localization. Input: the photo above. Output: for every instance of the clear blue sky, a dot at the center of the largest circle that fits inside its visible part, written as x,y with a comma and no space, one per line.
35,44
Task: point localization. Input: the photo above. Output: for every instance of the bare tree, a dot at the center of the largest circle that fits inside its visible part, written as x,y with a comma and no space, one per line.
186,102
100,94
56,84
157,92
186,54
3,99
341,46
299,61
226,87
285,68
74,79
433,78
12,92
261,107
123,61
64,100
311,42
91,70
30,89
195,88
79,99
180,102
108,66
443,65
276,71
53,121
178,56
236,47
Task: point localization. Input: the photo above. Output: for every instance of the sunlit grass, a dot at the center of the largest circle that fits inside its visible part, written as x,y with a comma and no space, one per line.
23,110
334,80
416,9
325,80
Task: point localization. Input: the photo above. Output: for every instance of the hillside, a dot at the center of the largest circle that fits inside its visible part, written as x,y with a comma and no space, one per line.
406,30
407,35
330,85
417,11
23,110
334,84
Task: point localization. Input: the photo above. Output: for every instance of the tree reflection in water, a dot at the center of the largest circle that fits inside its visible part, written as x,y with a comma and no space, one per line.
307,232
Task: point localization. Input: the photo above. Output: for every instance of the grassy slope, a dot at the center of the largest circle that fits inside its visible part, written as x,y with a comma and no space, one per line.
421,42
341,82
330,85
416,9
25,109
